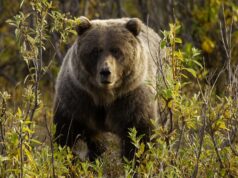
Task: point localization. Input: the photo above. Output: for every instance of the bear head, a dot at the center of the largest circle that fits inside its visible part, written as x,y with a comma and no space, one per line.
110,58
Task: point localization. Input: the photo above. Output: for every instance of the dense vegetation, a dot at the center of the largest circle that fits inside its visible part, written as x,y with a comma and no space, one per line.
197,133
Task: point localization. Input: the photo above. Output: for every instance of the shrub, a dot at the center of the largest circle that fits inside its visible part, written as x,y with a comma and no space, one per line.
196,133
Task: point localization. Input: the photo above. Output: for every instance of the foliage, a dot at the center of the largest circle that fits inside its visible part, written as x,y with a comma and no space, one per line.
196,134
22,154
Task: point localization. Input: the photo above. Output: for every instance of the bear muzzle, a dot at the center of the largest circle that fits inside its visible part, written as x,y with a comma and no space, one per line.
105,75
105,78
106,68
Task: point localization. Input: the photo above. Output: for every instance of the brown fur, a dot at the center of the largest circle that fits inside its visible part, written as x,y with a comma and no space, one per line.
89,100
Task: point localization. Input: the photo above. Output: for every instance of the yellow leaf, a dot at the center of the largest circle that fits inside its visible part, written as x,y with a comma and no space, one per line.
208,45
141,150
227,114
19,112
170,104
221,125
29,156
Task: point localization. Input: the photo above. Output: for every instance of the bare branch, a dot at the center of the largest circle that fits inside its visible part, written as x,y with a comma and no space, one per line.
201,136
51,145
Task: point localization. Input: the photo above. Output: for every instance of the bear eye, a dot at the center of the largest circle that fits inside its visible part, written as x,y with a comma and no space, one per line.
95,53
116,52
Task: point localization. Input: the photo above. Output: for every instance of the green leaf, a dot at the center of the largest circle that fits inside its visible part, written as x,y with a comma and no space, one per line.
191,71
198,63
184,76
35,141
27,130
11,22
162,44
167,93
140,150
19,112
4,158
22,2
221,125
178,40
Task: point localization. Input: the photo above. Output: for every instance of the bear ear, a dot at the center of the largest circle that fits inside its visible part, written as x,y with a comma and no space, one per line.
134,26
84,25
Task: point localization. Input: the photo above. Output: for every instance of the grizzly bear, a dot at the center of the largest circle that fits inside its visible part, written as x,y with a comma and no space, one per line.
106,84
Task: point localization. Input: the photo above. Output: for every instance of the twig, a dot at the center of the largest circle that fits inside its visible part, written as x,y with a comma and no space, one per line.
3,113
216,147
56,48
21,151
143,8
157,59
180,140
51,146
38,66
234,151
85,7
70,125
119,9
201,136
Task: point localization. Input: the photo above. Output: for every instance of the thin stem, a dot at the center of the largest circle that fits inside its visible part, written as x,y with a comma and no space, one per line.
216,149
21,151
201,136
180,139
2,126
38,66
51,147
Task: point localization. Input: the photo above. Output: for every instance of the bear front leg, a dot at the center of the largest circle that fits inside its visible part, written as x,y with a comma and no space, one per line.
127,148
66,130
96,146
143,128
78,125
134,110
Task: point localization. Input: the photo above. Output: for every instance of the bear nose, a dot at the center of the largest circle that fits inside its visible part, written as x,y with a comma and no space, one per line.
105,72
